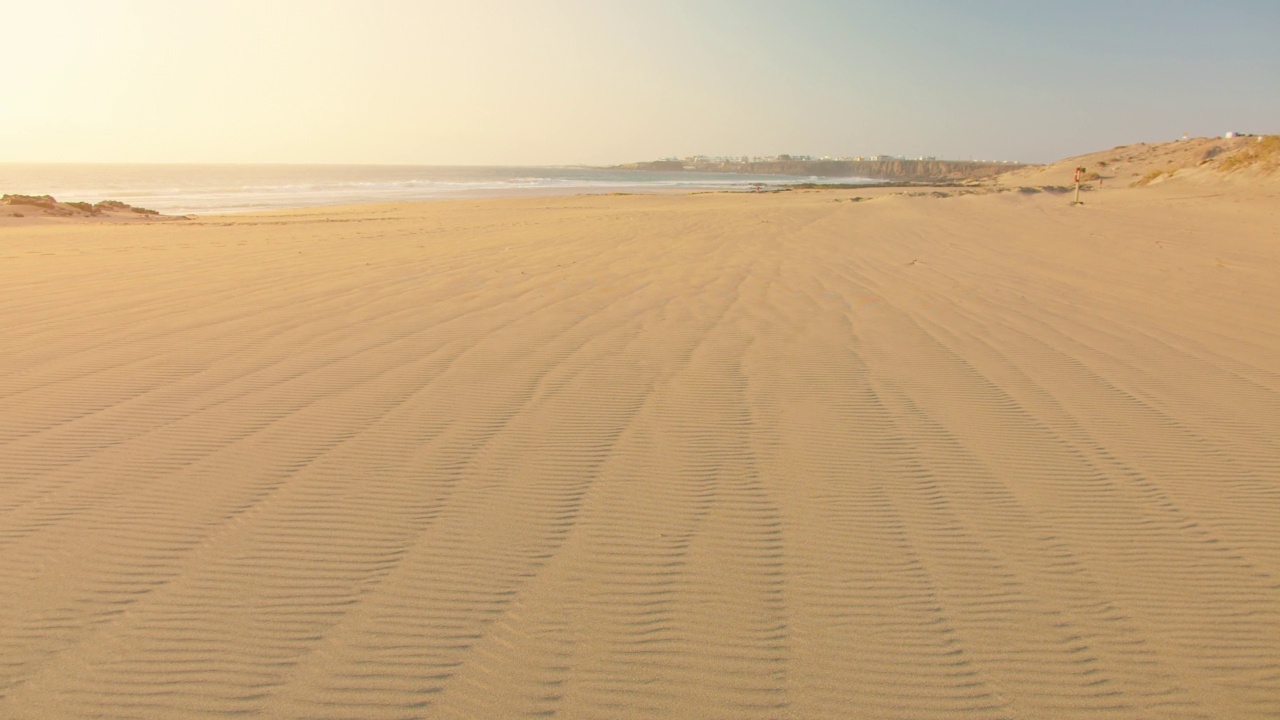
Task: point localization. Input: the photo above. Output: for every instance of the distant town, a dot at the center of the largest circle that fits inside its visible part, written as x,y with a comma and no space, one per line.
695,160
891,168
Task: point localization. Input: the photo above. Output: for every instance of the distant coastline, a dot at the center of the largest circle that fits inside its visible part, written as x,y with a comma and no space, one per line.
891,169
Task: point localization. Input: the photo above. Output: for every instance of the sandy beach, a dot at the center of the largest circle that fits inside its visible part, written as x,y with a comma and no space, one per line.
701,456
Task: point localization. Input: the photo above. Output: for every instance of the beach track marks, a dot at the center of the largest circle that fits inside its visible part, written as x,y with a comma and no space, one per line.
632,457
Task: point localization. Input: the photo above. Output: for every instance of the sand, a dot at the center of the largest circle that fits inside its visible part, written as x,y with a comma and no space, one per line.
706,456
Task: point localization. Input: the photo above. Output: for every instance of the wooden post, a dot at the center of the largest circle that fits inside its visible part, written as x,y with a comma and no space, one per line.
1079,171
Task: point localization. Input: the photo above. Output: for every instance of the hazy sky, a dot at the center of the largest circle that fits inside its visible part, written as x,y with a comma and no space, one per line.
601,81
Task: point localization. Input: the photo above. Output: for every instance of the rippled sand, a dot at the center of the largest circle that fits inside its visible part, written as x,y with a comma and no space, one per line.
710,456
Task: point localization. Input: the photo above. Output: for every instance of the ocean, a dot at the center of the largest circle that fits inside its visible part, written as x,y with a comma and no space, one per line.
211,189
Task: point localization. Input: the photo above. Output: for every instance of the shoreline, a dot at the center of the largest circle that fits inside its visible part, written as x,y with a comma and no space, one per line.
70,214
180,189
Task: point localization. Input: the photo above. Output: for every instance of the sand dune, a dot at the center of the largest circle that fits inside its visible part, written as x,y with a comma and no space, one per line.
711,456
1242,164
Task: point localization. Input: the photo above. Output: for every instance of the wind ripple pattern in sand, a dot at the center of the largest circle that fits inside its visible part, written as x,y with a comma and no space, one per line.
705,457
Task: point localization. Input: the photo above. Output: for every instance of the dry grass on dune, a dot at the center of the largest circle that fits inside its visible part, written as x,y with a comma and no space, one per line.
1264,154
715,456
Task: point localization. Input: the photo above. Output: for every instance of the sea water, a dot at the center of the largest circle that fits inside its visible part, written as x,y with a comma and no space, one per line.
207,189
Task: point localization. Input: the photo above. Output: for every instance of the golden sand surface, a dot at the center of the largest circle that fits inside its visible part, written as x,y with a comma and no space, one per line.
707,456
